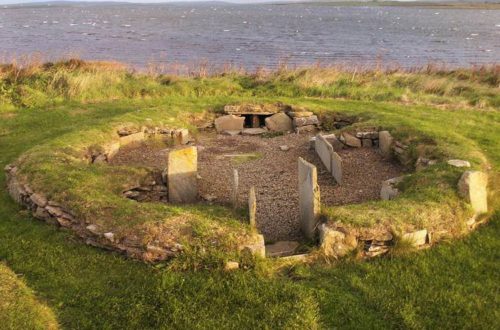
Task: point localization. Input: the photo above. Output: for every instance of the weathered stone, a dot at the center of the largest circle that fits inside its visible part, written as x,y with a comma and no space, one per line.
231,265
417,238
473,187
309,198
367,143
93,229
281,249
279,122
231,133
458,163
350,140
300,114
41,213
55,211
256,247
109,236
253,131
181,136
284,148
325,151
127,139
252,208
235,188
337,167
367,135
385,143
305,121
111,149
253,109
306,129
182,168
335,243
334,141
100,159
38,199
389,190
229,123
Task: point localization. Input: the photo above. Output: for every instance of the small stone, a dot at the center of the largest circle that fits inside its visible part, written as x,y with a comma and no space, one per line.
350,140
93,229
38,199
100,159
306,129
110,236
181,136
231,265
458,163
305,121
417,238
284,148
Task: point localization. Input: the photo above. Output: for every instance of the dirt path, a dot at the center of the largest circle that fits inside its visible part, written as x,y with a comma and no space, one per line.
273,172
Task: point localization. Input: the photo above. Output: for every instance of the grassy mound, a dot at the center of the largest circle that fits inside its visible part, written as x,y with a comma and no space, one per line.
452,286
19,309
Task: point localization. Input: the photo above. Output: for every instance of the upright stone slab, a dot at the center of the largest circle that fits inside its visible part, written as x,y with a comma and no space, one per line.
324,150
234,192
309,198
385,143
472,187
337,167
182,169
229,123
252,208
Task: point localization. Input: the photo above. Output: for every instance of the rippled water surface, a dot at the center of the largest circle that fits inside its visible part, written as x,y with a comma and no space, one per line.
253,35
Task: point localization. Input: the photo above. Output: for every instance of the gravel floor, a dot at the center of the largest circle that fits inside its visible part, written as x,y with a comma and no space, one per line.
273,172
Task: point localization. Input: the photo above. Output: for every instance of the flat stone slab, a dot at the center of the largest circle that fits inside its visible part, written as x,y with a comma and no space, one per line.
182,173
281,249
135,137
458,163
253,131
324,150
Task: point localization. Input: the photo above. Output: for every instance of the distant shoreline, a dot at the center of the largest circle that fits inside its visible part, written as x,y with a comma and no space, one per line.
417,4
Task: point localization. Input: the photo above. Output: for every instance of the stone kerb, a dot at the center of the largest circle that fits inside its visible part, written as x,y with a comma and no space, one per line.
331,160
182,171
473,187
309,198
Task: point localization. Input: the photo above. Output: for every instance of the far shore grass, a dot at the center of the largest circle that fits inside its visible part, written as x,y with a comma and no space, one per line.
453,285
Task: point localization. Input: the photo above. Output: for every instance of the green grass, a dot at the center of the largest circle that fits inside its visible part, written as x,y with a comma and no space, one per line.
19,309
453,285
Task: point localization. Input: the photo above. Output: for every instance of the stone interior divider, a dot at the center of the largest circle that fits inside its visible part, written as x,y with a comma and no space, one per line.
309,198
331,159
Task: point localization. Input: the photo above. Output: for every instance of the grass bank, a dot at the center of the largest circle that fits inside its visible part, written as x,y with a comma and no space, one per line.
453,285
